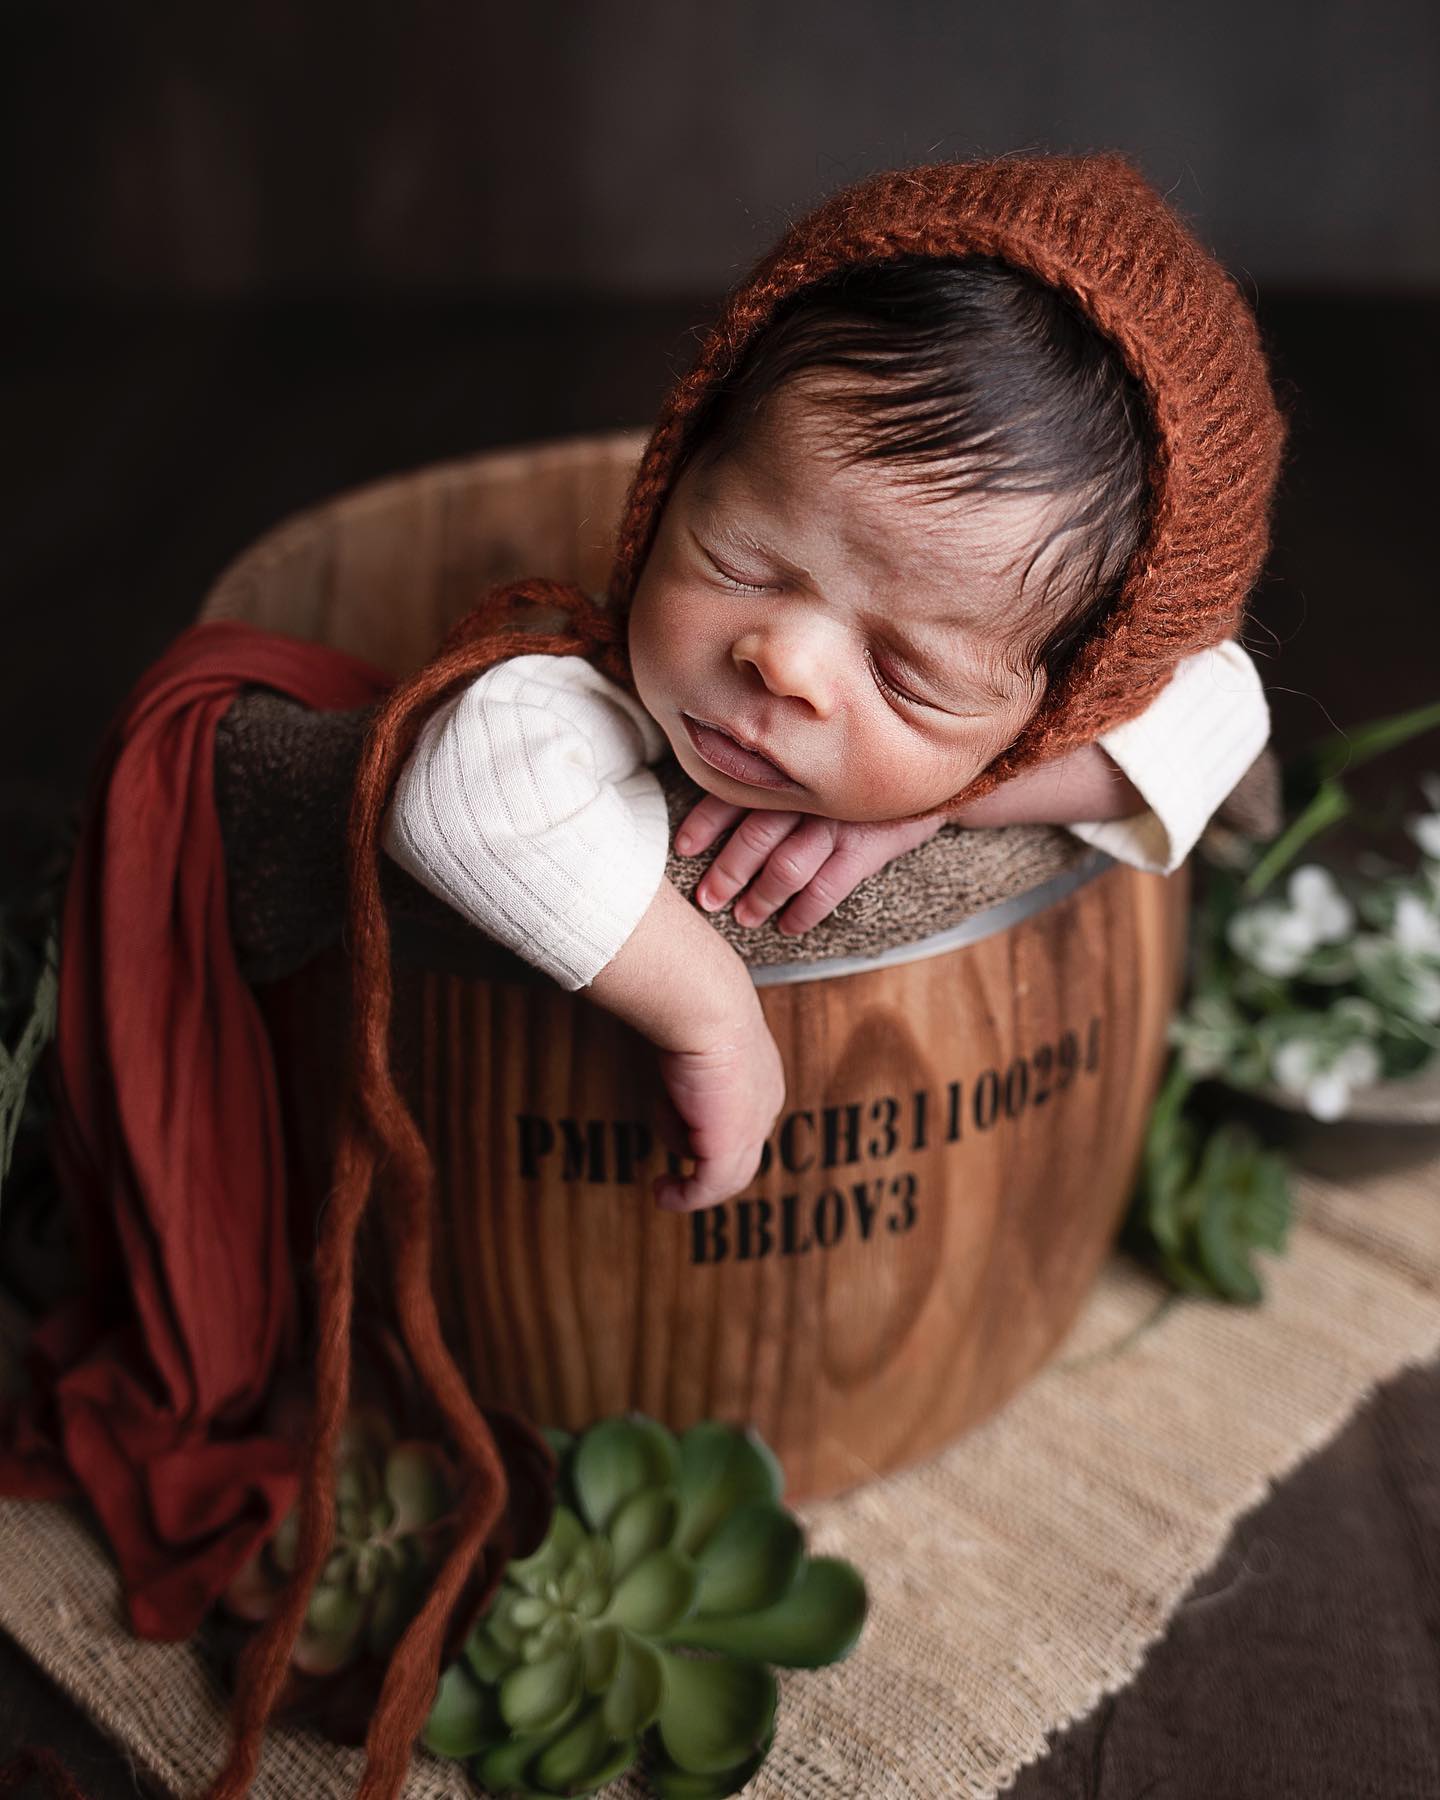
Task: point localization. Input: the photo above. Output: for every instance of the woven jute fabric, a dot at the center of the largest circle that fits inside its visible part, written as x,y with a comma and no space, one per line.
1014,1580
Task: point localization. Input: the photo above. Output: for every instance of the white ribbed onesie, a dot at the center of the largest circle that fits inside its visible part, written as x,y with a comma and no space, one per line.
528,803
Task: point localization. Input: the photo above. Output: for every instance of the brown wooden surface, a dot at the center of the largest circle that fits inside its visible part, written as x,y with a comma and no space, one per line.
859,1310
384,572
856,1330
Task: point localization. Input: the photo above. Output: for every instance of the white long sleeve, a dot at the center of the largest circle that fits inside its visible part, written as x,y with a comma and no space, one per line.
1184,753
527,805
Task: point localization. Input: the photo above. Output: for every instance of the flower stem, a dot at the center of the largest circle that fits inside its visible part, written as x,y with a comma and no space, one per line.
1330,805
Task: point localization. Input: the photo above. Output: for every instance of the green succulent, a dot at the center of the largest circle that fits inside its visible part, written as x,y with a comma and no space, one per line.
670,1579
394,1513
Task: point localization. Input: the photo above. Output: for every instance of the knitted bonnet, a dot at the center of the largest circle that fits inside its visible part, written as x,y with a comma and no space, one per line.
1090,226
1094,228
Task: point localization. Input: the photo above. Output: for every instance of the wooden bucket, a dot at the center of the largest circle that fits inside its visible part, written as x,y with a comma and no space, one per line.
962,1125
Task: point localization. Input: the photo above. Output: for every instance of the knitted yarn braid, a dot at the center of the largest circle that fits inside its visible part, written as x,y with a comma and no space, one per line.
1088,225
1093,227
379,1141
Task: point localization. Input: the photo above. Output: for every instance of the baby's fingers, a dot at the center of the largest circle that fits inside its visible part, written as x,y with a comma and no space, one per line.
715,1178
703,823
837,876
788,869
750,844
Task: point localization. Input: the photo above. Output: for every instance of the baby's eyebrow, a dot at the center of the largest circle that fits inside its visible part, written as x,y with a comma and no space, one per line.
945,673
740,539
951,675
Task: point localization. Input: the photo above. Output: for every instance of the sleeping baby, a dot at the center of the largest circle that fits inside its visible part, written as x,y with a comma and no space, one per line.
896,526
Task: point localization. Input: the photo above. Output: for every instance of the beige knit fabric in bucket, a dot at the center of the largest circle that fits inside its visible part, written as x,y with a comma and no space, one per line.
1014,1580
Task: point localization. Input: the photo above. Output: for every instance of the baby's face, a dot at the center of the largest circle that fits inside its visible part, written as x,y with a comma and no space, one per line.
816,638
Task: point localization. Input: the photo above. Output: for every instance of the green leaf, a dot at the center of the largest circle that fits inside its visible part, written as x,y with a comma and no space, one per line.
335,1612
541,1695
501,1626
504,1768
671,1783
417,1484
1225,1258
463,1716
1245,1206
644,1523
636,1689
488,1662
656,1594
564,1538
750,1560
600,1647
720,1469
561,1442
583,1758
1350,749
816,1623
400,1597
617,1458
715,1713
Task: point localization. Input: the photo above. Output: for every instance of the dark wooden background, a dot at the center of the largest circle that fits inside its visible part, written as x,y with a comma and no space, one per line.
260,254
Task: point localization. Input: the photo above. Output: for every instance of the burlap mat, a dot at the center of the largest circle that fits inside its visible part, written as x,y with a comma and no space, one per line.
1014,1580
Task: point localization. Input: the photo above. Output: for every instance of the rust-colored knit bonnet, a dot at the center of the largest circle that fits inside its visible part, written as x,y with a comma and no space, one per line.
1089,225
1094,228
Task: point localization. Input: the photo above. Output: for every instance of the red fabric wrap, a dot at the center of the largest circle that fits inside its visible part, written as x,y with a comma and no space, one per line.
168,1149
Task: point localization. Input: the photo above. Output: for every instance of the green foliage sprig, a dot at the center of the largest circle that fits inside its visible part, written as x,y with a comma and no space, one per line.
1317,994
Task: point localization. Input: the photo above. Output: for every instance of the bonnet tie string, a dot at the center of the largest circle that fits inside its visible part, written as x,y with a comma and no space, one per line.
378,1135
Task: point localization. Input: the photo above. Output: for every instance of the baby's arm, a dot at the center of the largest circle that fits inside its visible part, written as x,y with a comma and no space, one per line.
526,805
1083,786
678,982
1143,793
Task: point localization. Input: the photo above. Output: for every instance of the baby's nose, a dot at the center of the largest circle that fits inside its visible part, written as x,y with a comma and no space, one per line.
792,664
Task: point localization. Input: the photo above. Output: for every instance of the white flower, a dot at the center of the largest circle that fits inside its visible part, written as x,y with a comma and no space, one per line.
1397,981
1324,1075
1277,938
1273,938
1425,827
1317,899
1416,926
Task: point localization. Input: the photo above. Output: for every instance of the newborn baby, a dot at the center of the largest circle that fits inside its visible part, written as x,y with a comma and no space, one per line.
890,532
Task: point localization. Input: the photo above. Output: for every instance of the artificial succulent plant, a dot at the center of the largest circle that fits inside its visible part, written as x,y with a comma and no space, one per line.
396,1491
394,1513
645,1622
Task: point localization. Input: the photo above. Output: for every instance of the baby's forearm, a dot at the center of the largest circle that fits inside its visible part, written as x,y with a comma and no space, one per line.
677,981
1081,786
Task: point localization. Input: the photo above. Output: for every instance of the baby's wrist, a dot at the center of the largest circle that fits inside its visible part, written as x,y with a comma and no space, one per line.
678,982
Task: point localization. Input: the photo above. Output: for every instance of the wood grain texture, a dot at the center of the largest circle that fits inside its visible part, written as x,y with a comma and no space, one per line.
385,571
959,1136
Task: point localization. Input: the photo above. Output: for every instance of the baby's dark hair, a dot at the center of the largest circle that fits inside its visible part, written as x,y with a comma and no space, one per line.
973,377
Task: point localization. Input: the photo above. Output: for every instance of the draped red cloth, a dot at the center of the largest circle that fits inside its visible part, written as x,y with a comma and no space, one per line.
167,1145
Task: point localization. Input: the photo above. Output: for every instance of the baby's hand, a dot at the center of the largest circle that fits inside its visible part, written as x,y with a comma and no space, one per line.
812,862
721,1103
